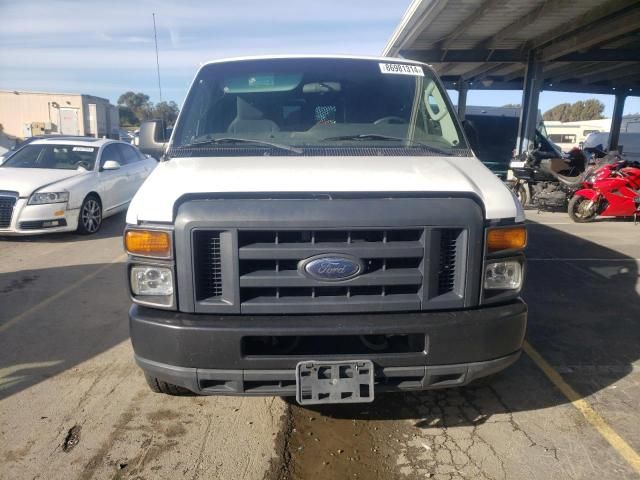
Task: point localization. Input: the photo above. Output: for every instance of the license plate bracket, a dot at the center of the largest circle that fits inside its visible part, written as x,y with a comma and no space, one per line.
320,382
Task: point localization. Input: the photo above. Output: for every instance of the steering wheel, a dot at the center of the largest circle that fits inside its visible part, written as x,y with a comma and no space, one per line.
390,119
82,163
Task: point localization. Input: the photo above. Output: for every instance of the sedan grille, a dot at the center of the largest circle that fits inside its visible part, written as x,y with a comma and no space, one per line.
7,204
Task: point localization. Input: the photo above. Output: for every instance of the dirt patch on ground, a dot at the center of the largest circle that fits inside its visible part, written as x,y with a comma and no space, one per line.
342,441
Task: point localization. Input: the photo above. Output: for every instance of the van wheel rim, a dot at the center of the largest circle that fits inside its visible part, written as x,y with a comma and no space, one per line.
91,215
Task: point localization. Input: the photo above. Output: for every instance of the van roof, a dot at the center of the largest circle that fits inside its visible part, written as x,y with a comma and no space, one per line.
274,57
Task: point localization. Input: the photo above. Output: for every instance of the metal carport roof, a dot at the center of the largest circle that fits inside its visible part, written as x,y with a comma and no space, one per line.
590,46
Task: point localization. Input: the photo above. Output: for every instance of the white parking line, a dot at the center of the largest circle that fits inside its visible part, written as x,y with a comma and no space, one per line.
60,293
558,259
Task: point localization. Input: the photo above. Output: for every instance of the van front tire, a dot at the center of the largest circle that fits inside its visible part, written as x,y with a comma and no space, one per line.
158,386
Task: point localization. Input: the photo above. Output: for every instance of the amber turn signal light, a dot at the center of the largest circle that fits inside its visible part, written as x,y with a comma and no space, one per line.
148,243
511,238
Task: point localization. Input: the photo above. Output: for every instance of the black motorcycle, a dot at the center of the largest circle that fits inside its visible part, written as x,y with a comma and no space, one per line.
546,181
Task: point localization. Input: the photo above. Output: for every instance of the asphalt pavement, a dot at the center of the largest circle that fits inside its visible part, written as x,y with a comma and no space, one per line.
73,405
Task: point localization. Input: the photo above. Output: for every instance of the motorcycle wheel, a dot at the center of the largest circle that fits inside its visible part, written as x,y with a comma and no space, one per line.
521,194
577,212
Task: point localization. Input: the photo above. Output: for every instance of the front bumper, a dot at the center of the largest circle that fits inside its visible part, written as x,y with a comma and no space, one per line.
25,217
204,353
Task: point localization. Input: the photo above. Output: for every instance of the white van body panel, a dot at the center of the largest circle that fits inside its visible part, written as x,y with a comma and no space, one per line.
171,180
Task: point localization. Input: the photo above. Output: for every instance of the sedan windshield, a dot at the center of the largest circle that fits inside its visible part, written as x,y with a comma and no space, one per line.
58,157
317,104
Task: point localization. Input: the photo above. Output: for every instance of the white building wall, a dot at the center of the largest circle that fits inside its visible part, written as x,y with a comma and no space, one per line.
19,109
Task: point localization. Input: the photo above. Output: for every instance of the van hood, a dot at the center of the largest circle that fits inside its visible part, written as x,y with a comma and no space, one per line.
155,200
25,181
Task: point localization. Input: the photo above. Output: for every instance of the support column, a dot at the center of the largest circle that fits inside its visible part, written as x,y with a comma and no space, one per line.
530,98
463,87
616,121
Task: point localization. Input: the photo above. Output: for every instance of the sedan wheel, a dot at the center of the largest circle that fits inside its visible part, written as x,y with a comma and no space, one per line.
90,216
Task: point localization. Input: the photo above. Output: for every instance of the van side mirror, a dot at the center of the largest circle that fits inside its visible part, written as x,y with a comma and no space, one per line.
152,139
111,165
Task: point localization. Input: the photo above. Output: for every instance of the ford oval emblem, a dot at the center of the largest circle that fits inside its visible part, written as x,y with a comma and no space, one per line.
332,268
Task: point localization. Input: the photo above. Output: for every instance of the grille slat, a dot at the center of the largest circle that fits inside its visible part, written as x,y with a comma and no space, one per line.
332,304
7,204
292,278
207,265
284,251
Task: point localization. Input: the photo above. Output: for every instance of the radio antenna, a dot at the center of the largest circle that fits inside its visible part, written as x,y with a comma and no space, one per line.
155,36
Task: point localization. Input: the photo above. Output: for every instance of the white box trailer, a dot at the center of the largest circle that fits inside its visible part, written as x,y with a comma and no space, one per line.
568,135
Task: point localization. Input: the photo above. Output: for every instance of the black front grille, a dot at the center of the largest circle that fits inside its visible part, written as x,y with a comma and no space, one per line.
249,254
262,274
270,279
207,264
7,203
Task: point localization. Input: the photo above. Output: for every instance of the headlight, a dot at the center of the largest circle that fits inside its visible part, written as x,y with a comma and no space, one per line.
151,281
41,198
503,275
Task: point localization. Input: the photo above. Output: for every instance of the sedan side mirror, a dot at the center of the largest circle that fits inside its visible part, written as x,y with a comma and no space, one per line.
111,165
152,139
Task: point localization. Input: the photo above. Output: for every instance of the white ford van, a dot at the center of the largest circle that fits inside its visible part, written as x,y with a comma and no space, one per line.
319,227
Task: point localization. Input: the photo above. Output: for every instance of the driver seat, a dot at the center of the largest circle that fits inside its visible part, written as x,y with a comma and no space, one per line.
250,120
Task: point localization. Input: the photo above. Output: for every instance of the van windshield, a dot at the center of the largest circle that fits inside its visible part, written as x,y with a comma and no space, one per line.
317,106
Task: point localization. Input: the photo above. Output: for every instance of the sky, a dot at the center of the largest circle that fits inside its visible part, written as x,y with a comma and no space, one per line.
106,48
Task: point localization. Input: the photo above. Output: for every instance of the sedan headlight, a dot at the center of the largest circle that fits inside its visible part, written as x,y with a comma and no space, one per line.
503,275
41,198
151,281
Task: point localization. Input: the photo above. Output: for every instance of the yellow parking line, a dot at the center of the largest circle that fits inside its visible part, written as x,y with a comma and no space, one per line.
57,295
610,435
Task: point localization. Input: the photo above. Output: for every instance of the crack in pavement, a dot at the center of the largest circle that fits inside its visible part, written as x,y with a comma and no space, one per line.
445,434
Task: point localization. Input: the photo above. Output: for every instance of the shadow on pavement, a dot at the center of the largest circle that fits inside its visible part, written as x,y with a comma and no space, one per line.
111,227
583,319
75,327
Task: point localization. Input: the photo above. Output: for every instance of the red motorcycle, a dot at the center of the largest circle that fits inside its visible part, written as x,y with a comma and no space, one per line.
612,190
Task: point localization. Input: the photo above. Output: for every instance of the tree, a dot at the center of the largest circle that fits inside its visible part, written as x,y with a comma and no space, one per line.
136,107
168,111
127,117
138,103
590,109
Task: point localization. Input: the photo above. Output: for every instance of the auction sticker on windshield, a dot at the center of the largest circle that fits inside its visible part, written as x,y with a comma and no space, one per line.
401,69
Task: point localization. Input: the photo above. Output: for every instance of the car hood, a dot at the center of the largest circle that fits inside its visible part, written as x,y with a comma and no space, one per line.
25,181
155,200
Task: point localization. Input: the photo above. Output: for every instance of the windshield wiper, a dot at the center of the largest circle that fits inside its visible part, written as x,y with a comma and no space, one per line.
375,136
232,140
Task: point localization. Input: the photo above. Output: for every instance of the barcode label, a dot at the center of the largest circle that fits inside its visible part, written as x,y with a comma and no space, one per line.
401,69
